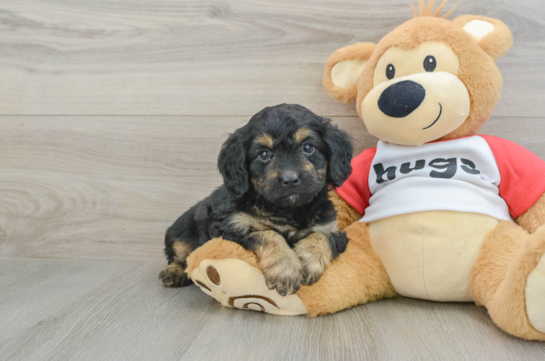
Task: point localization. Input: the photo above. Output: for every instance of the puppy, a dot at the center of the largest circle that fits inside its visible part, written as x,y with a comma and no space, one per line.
277,171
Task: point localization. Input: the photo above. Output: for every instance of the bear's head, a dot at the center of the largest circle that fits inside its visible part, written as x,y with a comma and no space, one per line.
429,79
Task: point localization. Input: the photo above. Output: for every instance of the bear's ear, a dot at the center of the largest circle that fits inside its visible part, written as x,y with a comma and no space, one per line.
343,70
492,35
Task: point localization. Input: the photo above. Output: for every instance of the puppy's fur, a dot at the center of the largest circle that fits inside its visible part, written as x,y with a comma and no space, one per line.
276,170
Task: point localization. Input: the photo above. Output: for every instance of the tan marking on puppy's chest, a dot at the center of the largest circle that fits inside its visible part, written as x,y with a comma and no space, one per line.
326,229
244,223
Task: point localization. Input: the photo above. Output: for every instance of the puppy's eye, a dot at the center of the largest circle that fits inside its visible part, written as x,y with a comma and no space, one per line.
390,71
430,63
308,148
265,155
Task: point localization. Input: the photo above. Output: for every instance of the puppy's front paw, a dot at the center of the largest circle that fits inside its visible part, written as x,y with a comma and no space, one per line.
315,256
174,276
312,272
284,275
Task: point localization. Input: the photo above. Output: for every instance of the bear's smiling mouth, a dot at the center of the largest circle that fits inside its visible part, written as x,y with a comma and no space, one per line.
435,121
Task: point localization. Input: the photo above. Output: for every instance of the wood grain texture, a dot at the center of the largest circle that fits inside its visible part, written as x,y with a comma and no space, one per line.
218,57
93,310
108,187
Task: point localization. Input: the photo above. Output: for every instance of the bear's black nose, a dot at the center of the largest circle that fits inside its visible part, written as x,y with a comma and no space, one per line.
401,99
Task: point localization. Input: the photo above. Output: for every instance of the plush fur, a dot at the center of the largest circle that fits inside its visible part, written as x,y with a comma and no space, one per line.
346,214
477,69
495,44
534,217
359,51
499,275
277,170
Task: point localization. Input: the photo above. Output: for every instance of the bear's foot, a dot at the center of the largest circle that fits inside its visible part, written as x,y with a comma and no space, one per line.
535,288
509,279
236,284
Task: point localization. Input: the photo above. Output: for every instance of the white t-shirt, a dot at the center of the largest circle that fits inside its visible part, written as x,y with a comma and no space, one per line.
465,175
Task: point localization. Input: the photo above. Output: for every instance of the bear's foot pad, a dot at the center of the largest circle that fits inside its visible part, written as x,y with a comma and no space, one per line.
535,296
236,284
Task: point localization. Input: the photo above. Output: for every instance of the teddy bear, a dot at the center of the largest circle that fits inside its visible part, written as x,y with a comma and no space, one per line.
434,211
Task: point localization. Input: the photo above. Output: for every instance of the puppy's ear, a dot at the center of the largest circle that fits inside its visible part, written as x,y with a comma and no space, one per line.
232,164
340,155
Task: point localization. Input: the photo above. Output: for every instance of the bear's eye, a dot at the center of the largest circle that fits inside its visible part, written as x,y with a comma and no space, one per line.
390,71
430,63
265,155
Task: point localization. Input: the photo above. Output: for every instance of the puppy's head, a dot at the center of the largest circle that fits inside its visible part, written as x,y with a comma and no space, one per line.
287,155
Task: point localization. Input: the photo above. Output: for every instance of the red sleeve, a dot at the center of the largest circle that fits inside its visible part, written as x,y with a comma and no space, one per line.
356,188
522,174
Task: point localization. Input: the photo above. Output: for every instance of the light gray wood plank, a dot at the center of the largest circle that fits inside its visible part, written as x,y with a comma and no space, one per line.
105,187
108,187
93,310
218,57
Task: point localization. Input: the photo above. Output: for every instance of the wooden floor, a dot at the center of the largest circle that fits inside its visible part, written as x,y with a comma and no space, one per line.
112,113
108,310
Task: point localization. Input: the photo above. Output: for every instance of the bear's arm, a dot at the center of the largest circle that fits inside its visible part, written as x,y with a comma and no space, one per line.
533,217
522,183
346,214
352,198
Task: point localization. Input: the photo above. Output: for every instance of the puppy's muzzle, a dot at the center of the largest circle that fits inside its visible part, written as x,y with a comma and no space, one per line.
290,179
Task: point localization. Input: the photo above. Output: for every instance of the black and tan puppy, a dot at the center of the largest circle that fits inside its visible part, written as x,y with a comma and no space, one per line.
276,170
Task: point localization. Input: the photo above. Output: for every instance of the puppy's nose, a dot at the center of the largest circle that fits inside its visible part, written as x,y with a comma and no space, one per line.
401,99
290,179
